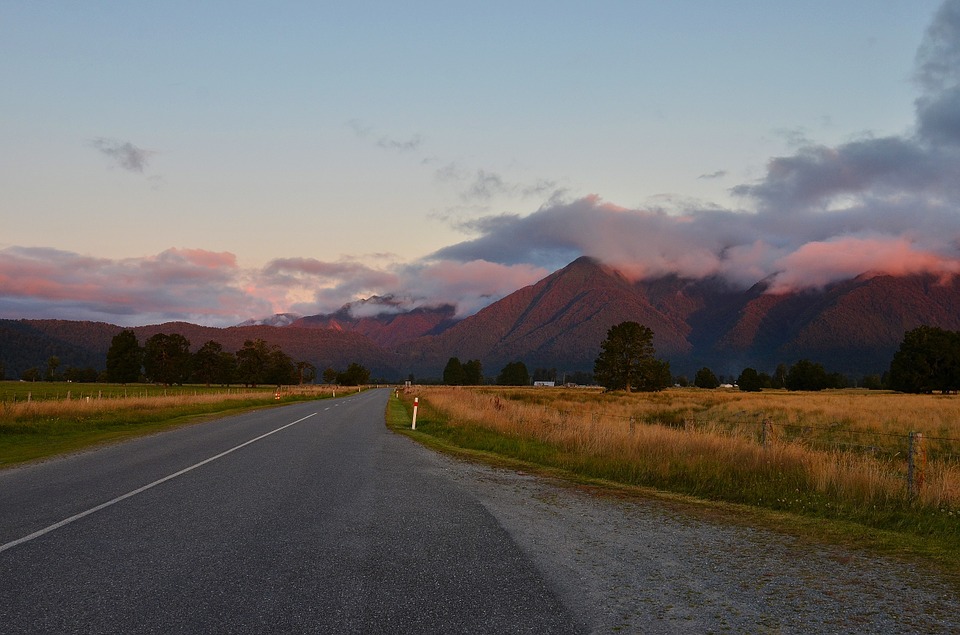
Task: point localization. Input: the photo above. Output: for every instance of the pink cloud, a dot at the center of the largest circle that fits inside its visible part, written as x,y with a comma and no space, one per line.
191,284
470,286
820,263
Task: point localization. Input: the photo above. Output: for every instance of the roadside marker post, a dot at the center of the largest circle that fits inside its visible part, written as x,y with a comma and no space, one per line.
416,402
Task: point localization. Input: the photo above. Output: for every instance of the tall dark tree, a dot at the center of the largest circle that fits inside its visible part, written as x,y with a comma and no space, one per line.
227,369
473,373
329,376
928,360
207,363
453,374
53,363
749,380
705,379
252,362
166,358
355,375
628,360
306,372
514,374
124,358
280,368
807,375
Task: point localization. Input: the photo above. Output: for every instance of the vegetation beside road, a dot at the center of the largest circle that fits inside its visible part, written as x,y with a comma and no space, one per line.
831,465
44,419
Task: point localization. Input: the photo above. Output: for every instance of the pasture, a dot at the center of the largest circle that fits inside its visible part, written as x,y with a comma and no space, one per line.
838,458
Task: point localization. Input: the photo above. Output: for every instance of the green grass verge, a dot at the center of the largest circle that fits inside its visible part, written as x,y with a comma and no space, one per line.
902,533
32,439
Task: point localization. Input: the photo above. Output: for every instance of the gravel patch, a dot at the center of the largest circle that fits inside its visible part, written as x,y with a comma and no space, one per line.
644,567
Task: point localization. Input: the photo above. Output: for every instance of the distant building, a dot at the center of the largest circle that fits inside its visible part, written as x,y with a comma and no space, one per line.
549,384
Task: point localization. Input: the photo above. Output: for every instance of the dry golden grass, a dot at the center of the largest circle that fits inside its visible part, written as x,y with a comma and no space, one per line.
831,448
41,428
91,404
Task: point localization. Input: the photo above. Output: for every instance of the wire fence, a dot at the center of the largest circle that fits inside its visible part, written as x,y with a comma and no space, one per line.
910,452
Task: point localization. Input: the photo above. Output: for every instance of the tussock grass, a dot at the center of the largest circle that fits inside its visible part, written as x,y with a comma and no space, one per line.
707,444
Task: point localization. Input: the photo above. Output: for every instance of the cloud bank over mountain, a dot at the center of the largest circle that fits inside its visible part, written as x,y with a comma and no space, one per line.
888,204
825,213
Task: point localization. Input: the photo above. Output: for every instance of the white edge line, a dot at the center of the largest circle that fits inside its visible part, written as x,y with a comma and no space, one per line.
139,490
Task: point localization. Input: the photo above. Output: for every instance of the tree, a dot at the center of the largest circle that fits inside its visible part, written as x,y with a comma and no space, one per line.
355,375
252,361
514,374
453,374
329,376
166,358
124,358
281,370
807,375
53,363
307,372
207,363
31,374
779,379
705,379
473,373
749,380
627,360
928,360
227,368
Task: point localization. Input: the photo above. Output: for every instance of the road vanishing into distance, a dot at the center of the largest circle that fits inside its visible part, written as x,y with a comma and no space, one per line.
310,518
314,518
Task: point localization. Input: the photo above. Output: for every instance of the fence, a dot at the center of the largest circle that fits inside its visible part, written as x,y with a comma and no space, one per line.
913,451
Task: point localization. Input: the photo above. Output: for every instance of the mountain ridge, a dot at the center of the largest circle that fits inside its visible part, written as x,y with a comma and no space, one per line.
852,326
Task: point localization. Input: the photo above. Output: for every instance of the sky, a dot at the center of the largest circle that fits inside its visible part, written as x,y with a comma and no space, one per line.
219,161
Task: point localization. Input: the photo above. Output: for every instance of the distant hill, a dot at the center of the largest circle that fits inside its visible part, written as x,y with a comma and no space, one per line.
27,343
854,327
388,329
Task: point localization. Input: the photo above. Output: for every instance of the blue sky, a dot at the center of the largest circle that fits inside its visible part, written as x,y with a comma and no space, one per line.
222,160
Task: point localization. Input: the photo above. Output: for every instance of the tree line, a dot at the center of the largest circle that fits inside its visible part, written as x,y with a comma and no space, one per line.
166,359
928,361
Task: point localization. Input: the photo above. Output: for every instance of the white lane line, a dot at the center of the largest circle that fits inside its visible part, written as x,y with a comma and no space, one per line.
139,490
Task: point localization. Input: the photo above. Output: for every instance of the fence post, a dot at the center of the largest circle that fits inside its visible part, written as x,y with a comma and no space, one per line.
764,432
916,464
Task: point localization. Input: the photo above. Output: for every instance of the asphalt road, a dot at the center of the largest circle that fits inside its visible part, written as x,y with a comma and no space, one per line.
307,518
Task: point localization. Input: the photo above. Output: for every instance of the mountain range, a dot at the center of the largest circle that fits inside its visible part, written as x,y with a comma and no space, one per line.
853,326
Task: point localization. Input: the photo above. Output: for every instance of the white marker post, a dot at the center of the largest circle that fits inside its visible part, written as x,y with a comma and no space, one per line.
416,402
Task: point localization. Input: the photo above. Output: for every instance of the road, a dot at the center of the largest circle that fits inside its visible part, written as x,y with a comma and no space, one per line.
306,518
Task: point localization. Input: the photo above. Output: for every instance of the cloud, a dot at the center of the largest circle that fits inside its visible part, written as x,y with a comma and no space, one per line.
823,213
713,175
408,145
193,285
310,286
363,131
123,153
820,213
820,263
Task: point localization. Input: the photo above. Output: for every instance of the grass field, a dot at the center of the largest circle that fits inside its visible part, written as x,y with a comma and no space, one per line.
41,419
836,459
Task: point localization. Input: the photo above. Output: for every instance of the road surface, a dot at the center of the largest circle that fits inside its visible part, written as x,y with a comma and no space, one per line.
306,518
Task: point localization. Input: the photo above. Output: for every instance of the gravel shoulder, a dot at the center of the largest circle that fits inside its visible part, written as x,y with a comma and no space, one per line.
645,567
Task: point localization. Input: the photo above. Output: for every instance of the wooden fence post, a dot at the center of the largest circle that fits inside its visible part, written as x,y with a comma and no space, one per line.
916,464
765,432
